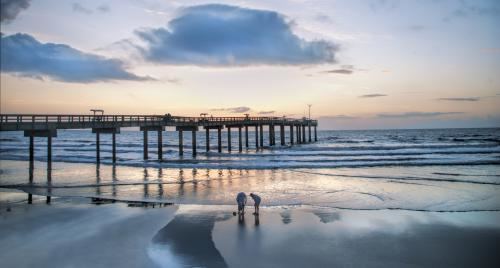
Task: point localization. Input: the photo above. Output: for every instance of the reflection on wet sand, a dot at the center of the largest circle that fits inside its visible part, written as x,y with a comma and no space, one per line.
279,187
190,238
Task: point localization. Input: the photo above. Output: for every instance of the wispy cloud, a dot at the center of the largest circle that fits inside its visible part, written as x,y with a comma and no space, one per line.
241,109
475,8
337,117
79,8
416,114
460,99
345,69
417,28
223,35
338,71
23,54
267,112
9,9
372,95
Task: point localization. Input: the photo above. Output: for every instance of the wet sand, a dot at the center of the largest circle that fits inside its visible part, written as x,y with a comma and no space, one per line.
74,233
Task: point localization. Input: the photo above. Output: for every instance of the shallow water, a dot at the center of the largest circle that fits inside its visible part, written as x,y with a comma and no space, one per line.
334,149
427,170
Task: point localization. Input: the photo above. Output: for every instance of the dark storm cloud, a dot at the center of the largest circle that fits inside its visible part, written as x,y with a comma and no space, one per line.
21,54
417,114
222,35
459,99
241,109
10,8
372,95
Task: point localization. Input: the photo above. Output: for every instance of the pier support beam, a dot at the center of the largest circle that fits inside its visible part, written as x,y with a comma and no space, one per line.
261,135
48,133
49,152
291,134
303,134
145,144
315,134
240,144
309,130
193,129
181,143
229,139
113,147
219,139
297,130
282,134
271,128
32,149
207,139
256,137
160,144
159,130
193,134
246,137
219,136
98,132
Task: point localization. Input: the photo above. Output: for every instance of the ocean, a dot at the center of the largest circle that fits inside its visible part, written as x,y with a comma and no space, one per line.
425,170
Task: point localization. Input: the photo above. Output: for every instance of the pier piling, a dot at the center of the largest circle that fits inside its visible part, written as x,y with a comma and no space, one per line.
261,135
160,145
193,133
145,144
229,139
207,139
240,144
246,137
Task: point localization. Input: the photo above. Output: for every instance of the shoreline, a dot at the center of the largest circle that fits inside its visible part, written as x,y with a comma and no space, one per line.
74,231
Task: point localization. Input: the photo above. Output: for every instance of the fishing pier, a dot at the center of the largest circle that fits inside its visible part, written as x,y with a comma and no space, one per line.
36,125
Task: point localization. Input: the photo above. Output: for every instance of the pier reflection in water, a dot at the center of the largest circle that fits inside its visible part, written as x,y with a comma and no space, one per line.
377,188
134,184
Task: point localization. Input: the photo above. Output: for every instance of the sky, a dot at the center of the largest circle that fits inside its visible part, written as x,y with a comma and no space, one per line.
371,64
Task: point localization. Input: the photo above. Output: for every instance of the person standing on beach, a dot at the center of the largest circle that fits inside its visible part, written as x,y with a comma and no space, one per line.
256,202
241,199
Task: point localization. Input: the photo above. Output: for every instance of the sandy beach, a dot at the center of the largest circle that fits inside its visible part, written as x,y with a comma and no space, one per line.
74,233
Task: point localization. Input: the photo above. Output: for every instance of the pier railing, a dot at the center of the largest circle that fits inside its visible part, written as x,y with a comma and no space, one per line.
9,122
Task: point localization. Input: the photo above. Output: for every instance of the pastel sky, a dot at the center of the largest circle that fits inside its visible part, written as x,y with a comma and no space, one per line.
361,64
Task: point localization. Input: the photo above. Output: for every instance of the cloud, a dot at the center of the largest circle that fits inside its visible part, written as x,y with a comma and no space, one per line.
345,69
460,99
337,117
372,95
267,112
23,54
223,35
338,71
9,9
241,109
81,9
475,8
78,8
103,8
416,114
417,28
